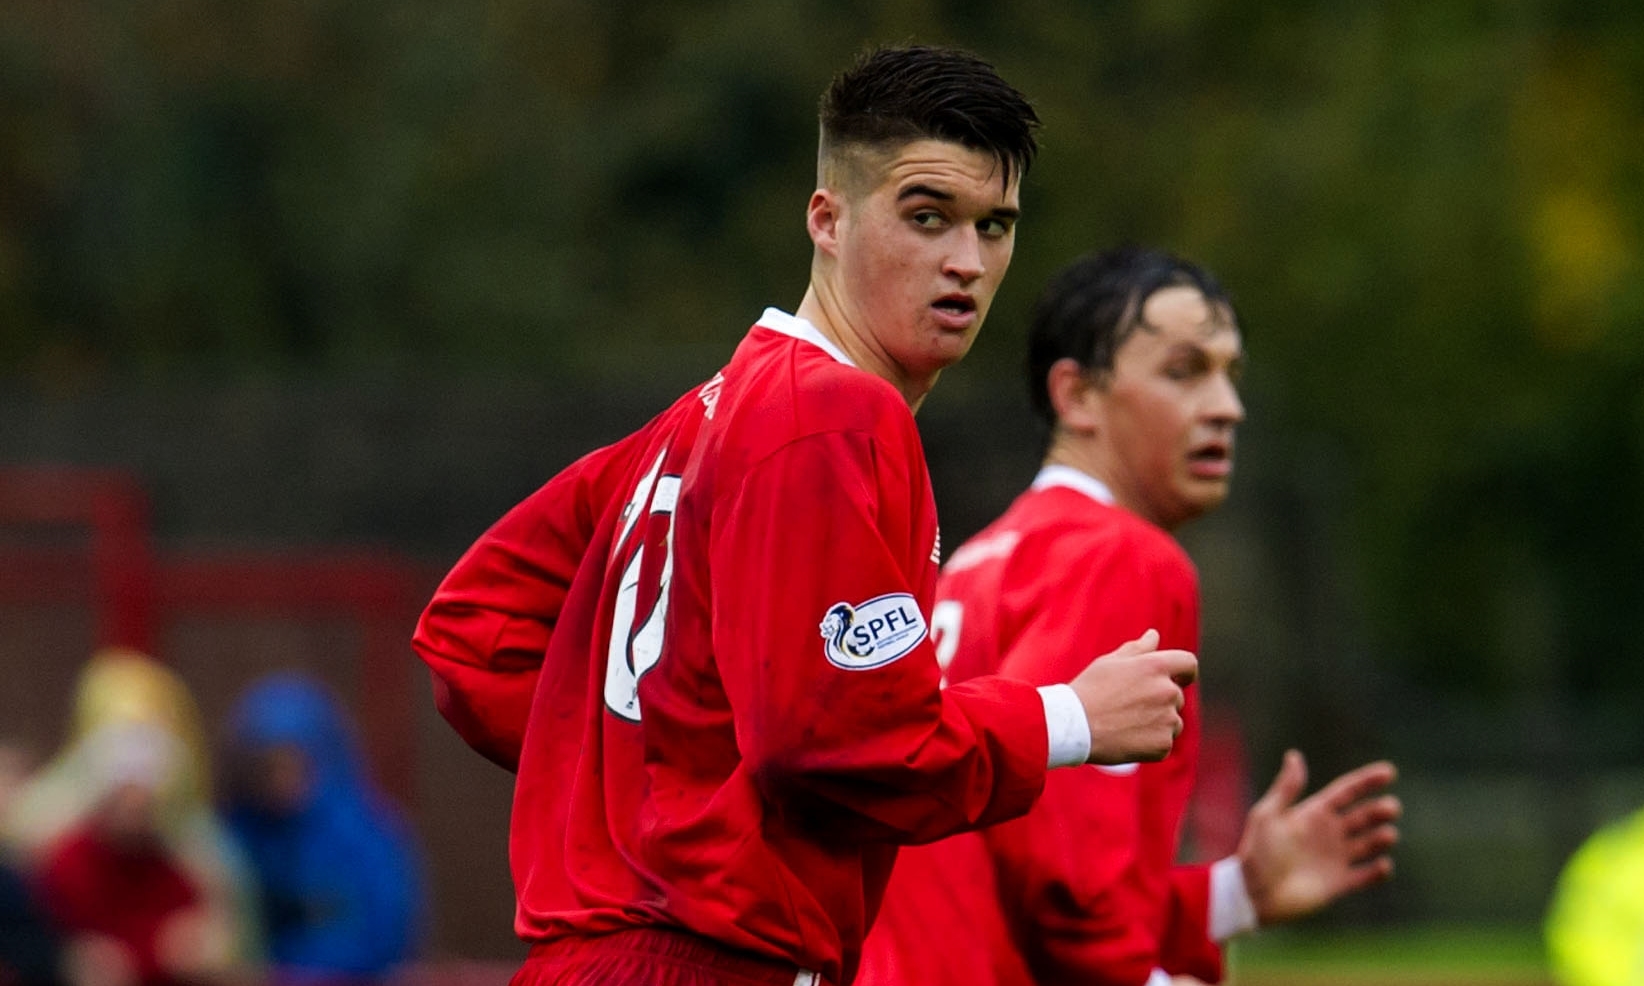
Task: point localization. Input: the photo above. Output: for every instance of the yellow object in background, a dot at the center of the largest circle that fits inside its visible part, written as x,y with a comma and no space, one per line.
1595,924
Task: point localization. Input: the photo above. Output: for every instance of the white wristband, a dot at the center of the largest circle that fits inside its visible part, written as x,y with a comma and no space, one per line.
1066,723
1232,912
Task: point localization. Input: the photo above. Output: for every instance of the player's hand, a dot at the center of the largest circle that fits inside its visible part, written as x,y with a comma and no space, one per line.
1298,857
1133,700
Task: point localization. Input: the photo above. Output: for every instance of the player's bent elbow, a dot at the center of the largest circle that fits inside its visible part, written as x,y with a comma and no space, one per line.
487,737
802,786
777,775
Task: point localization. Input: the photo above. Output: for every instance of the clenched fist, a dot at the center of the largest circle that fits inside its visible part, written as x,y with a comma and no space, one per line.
1133,700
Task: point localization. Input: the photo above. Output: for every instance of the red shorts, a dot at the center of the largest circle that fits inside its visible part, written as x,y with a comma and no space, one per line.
652,957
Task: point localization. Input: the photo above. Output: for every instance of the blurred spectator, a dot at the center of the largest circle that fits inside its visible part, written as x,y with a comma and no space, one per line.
340,877
1595,926
132,865
127,904
28,945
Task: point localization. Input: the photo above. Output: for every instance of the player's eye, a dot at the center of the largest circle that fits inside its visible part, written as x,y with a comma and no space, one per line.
1184,369
929,219
994,227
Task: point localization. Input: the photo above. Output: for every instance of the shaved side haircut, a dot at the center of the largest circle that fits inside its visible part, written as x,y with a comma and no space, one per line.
893,96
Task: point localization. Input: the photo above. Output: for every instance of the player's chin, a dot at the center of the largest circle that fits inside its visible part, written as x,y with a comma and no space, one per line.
946,349
1200,496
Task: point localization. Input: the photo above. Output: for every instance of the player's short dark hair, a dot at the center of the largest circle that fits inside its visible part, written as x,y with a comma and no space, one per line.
1090,307
895,95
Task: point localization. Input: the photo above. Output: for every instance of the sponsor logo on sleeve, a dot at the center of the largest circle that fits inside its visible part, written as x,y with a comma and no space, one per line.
872,634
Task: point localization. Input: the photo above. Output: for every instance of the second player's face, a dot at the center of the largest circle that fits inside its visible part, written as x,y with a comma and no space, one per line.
1170,407
921,257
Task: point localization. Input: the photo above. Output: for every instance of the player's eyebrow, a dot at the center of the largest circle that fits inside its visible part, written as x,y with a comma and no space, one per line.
926,191
1202,353
916,190
1187,348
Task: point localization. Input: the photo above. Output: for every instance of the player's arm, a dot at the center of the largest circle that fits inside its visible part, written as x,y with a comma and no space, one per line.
1070,874
1294,858
1198,921
1297,856
848,721
839,717
1088,885
484,633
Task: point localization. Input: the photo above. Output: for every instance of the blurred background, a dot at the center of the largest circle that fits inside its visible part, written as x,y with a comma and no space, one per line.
298,296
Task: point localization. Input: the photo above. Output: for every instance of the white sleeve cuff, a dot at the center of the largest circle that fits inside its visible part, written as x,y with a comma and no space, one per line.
1231,910
1065,721
1158,977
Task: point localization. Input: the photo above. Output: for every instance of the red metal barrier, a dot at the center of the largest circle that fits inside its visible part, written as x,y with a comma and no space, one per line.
81,536
114,571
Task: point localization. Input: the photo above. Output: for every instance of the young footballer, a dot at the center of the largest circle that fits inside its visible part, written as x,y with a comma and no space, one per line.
1134,360
705,648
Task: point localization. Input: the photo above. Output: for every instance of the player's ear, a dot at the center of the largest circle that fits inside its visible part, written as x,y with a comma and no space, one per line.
822,216
1074,396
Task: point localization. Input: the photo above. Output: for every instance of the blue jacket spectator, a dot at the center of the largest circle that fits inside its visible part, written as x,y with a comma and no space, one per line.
340,877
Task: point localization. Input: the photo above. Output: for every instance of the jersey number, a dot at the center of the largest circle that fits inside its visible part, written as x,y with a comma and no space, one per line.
636,636
945,620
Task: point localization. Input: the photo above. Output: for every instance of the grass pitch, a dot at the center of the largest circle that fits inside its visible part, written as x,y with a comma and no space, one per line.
1423,956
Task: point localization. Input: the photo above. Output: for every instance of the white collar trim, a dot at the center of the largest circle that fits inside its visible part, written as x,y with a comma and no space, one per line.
1060,475
778,320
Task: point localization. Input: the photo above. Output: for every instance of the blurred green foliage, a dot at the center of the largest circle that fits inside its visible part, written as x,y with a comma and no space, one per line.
1431,215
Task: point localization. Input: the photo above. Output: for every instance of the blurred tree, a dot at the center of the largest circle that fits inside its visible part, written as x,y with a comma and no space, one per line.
1429,213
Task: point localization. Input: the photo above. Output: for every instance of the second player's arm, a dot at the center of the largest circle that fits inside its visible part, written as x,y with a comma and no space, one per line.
1090,865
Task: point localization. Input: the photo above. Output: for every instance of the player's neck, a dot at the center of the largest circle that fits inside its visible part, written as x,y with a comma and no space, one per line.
1075,455
1087,457
822,311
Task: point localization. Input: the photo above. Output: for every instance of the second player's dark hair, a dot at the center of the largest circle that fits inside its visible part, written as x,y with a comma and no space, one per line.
892,95
1090,307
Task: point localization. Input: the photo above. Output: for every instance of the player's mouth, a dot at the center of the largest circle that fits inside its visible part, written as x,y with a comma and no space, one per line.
955,311
1211,460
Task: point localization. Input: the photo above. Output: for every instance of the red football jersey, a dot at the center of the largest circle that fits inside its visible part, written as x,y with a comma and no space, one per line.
1083,888
705,648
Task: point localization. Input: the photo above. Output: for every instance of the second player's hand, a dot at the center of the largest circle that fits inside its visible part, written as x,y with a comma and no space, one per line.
1299,856
1133,700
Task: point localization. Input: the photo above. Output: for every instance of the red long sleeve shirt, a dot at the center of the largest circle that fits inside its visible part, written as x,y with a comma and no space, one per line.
1082,888
705,650
91,886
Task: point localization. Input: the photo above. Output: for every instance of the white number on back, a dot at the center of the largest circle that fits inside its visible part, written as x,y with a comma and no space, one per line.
634,652
945,621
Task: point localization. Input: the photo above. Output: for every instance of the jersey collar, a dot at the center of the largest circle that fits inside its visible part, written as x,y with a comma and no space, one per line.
1060,475
778,320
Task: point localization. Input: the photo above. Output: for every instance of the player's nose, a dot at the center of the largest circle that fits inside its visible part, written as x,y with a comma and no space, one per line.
964,258
1223,405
